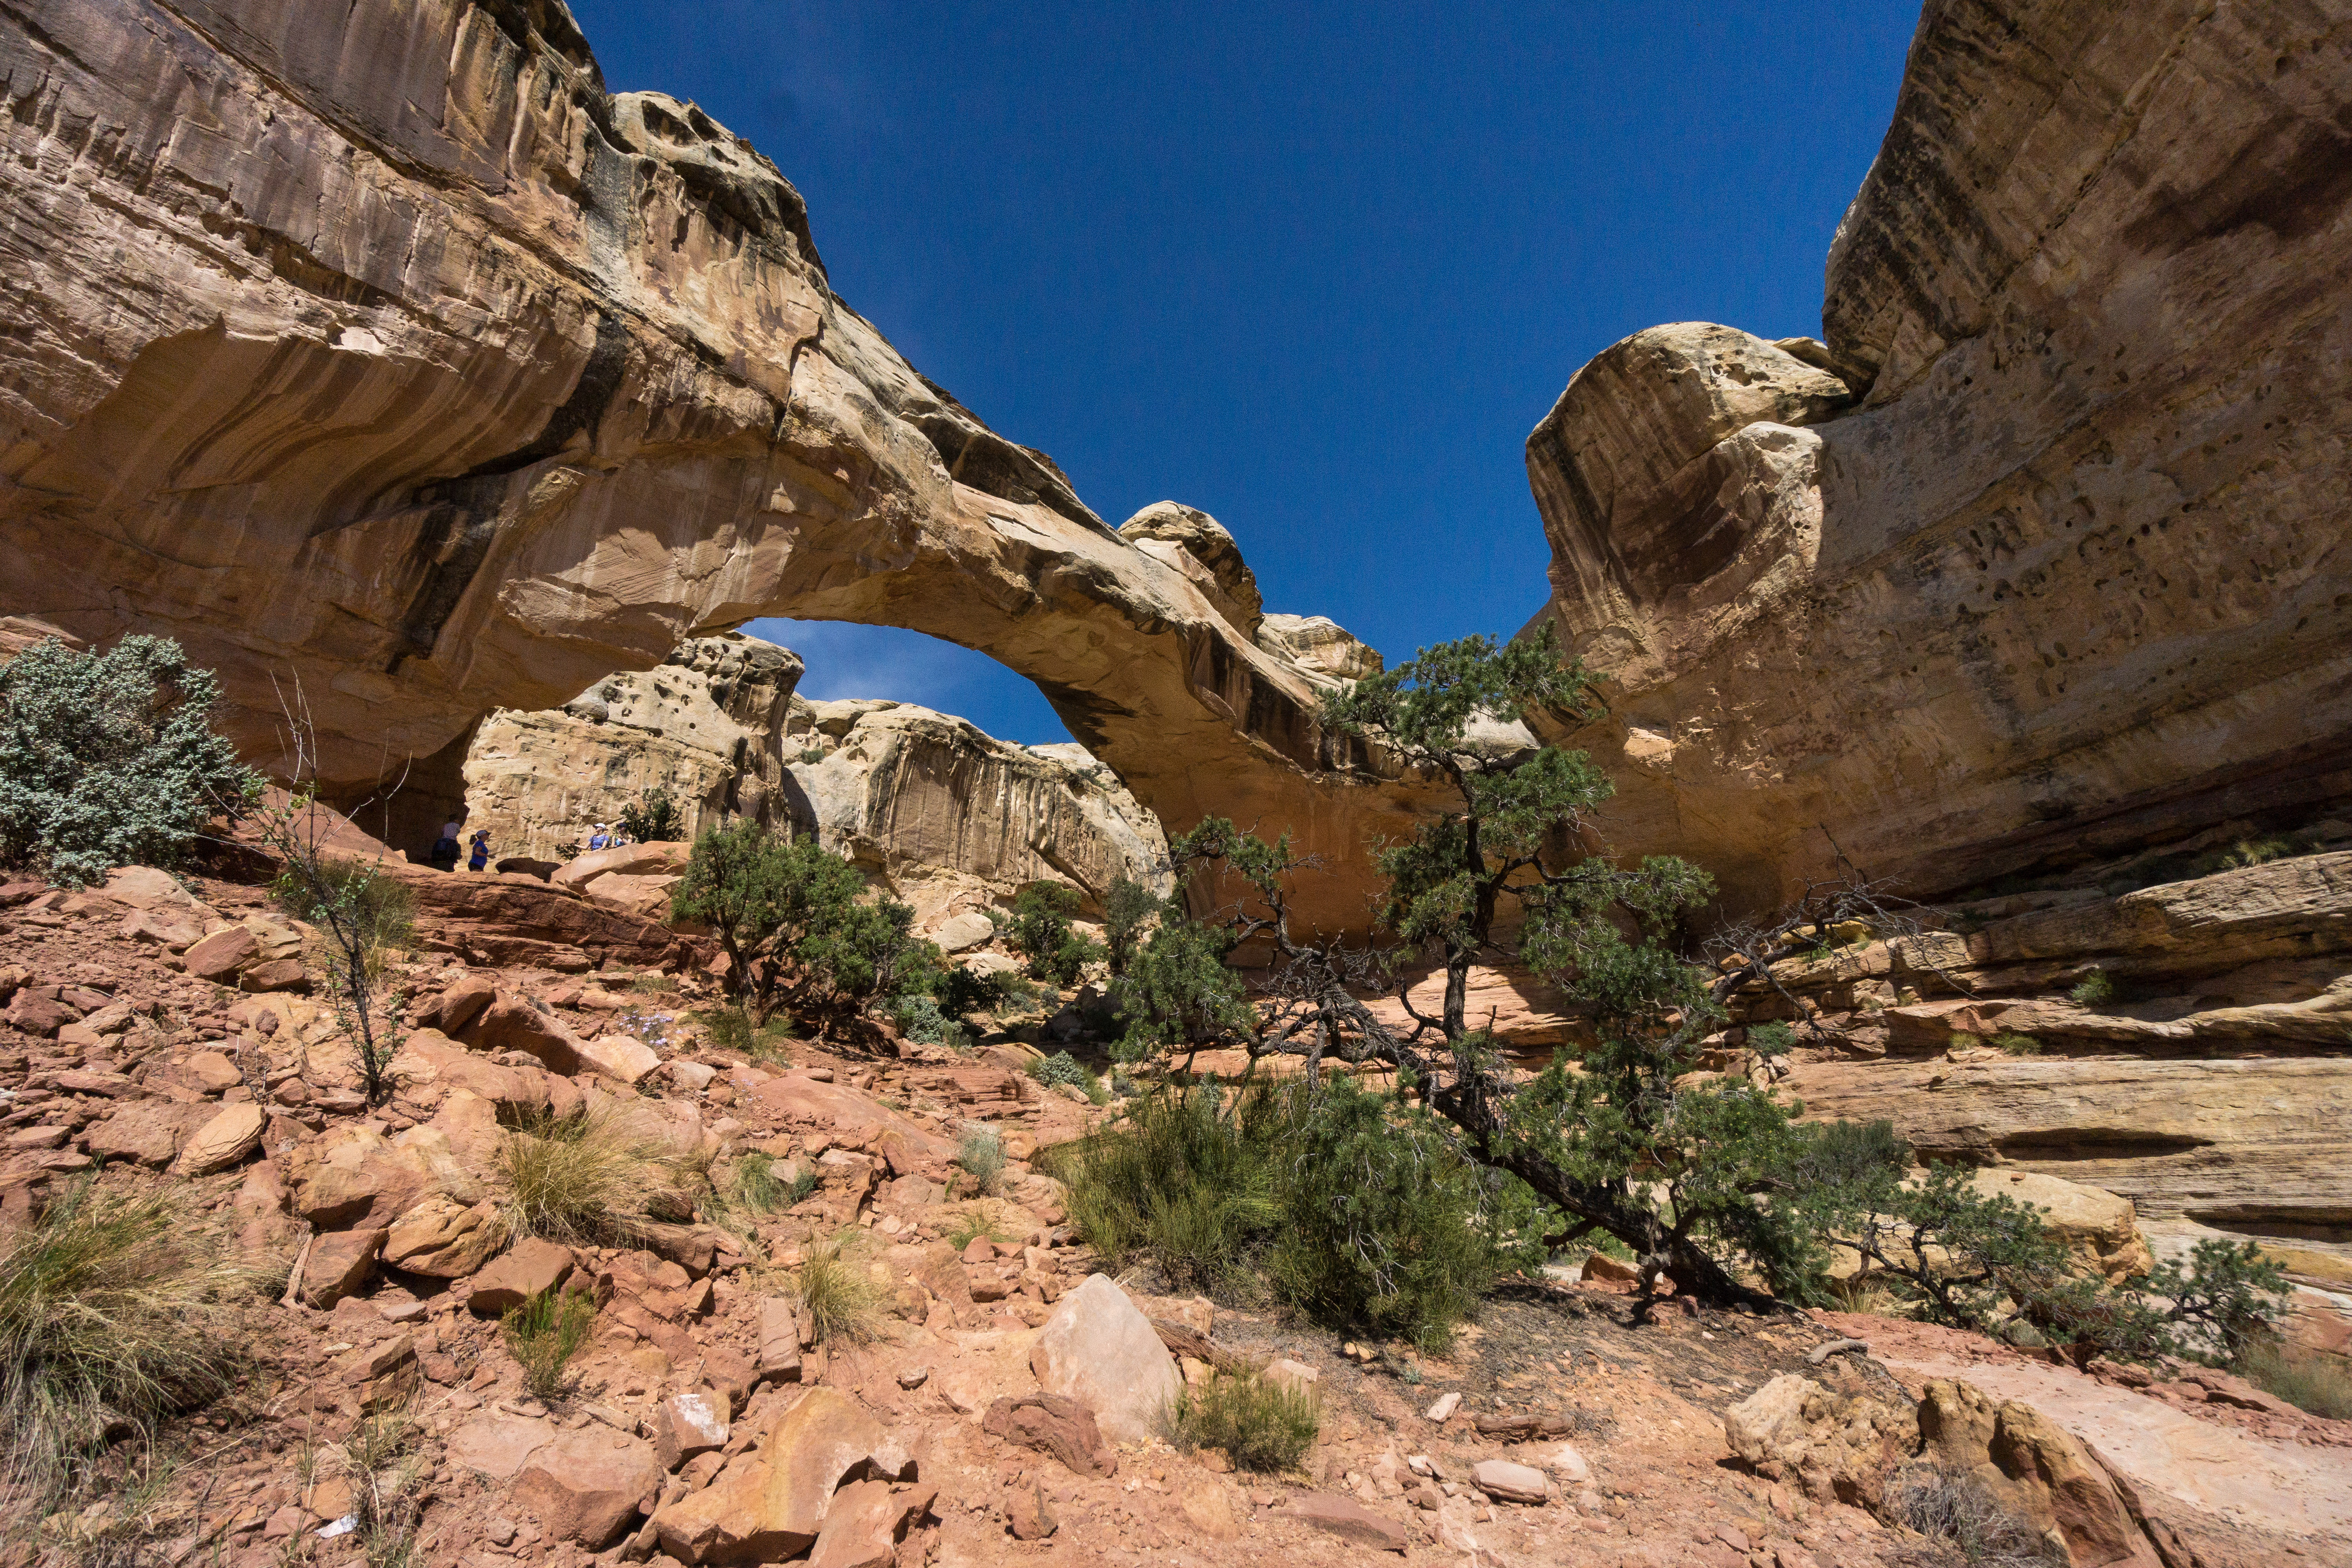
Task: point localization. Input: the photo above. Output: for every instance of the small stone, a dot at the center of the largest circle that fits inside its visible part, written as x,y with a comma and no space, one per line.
914,1378
1348,1519
1444,1407
686,1424
221,1142
1512,1483
533,1268
340,1264
1028,1514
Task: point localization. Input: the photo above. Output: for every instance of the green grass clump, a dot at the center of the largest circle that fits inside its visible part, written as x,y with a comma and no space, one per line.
733,1028
655,985
543,1334
2309,1380
1260,1426
2095,989
115,1309
981,1152
969,1224
756,1186
2017,1045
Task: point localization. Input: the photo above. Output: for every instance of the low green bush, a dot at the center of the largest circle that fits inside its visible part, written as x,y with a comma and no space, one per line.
1260,1426
110,759
1352,1205
543,1334
981,1152
1041,933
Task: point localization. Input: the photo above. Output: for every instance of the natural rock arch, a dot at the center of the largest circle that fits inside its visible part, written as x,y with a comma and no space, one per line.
436,379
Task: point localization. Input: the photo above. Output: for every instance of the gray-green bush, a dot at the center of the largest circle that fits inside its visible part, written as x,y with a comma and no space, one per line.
110,759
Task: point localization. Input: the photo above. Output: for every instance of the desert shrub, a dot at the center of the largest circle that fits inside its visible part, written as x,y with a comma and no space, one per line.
1957,1511
798,927
1177,993
110,759
582,1179
1059,1069
1385,1224
2094,989
656,819
114,1310
1128,908
655,985
1041,933
2309,1380
543,1334
385,1462
1770,1039
2017,1045
734,1029
981,1152
962,991
841,1299
1348,1203
812,754
382,907
1260,1426
921,1021
756,1186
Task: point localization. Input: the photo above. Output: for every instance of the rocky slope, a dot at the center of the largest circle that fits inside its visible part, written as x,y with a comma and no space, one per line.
2039,558
1006,1394
382,349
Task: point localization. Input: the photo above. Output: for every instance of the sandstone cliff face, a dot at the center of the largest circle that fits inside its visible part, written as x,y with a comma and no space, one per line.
951,819
380,348
707,725
2039,557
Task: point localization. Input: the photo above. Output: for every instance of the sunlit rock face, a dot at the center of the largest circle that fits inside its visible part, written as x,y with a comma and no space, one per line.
403,374
2038,558
706,727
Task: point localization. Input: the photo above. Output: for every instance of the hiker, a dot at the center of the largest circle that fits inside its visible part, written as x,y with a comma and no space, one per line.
479,860
601,838
445,848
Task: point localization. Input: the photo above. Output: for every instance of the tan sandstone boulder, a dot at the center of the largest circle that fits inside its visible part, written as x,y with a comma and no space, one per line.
1099,1349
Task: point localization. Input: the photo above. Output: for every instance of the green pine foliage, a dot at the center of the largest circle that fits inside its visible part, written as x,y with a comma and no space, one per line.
1178,994
798,927
1128,908
656,819
110,759
1042,933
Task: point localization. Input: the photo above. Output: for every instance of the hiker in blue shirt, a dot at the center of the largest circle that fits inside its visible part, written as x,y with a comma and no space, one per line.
601,838
480,860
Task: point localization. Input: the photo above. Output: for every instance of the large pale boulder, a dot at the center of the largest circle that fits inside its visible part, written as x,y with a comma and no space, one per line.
1837,1447
223,1142
1098,1349
944,814
443,1238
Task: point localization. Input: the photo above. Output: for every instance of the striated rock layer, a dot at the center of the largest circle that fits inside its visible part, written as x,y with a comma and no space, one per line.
2040,556
380,350
2206,1073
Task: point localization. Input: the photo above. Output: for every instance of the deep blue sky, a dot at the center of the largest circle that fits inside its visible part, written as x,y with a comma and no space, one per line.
1316,269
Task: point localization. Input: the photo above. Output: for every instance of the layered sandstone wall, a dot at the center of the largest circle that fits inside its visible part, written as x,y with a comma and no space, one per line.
2038,558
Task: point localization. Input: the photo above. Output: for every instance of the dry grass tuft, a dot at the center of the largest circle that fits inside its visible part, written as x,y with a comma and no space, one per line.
2310,1380
1959,1513
583,1180
115,1309
842,1300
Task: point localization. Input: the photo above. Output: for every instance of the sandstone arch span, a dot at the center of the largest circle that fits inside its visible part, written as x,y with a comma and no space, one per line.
381,347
